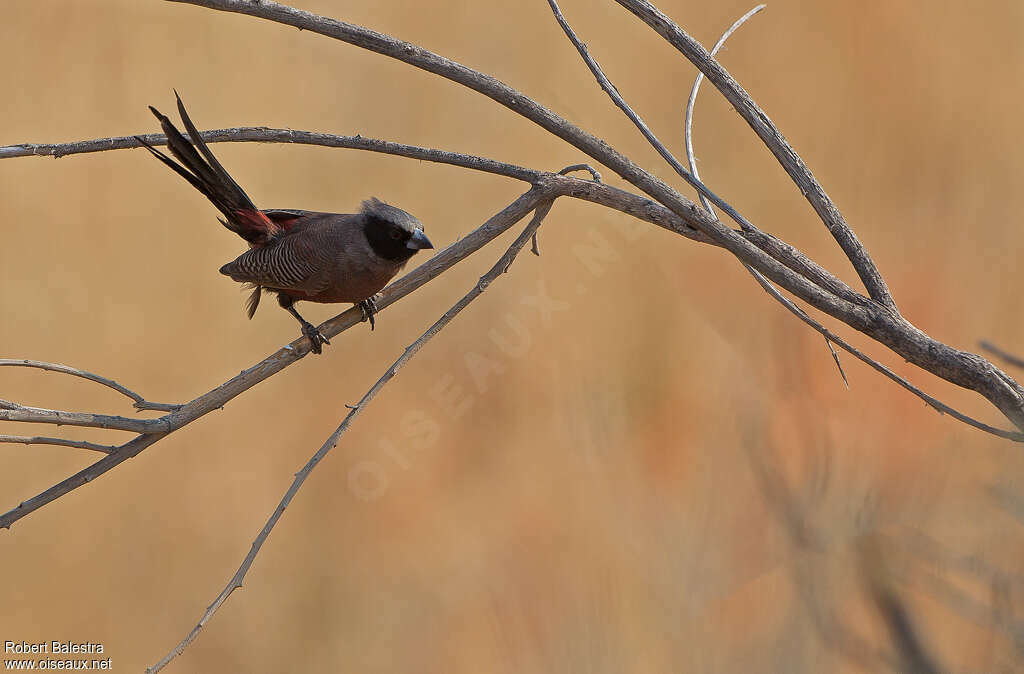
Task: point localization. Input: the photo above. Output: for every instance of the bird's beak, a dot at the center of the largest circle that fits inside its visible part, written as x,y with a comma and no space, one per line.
418,241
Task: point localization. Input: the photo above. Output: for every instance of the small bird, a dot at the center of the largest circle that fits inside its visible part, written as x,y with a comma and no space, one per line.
299,255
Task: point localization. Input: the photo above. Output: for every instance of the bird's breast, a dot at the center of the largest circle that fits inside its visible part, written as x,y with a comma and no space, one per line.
354,282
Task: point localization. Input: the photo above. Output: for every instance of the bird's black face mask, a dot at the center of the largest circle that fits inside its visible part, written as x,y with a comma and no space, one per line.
391,240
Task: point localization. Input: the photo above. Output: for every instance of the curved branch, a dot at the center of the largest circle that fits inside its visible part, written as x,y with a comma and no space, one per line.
691,102
140,403
775,141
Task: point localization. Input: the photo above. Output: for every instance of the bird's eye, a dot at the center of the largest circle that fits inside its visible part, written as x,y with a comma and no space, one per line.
395,234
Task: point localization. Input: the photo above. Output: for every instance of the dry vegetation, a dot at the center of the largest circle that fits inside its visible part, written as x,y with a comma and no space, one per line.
656,469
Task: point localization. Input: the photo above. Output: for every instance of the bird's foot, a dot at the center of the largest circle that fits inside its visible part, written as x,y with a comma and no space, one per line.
369,308
314,336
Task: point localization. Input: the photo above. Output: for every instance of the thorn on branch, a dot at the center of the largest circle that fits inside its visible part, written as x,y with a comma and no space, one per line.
835,357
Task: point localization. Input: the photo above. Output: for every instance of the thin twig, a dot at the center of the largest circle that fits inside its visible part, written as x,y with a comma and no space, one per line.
139,402
39,415
62,442
768,243
534,243
236,580
775,141
613,92
691,102
937,405
261,134
839,365
691,158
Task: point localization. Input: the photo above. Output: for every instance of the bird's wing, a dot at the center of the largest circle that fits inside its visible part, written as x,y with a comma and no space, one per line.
290,262
285,218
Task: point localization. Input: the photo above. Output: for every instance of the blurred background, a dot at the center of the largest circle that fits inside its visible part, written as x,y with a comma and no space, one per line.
634,461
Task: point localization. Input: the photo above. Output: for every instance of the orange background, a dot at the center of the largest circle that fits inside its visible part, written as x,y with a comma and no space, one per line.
595,505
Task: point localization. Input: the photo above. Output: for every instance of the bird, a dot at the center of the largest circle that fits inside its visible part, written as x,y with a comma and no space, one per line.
296,254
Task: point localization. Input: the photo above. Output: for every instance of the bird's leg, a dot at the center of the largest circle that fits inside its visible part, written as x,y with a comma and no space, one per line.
369,308
314,336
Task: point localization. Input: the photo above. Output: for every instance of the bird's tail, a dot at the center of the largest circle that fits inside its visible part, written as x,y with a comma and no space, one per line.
202,170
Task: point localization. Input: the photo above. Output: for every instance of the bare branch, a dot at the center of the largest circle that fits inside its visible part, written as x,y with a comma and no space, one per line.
776,142
789,256
39,415
261,134
691,102
235,583
140,402
797,311
940,407
62,442
638,121
691,158
839,365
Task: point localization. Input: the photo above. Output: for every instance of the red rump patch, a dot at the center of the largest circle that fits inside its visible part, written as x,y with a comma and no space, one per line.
283,220
258,222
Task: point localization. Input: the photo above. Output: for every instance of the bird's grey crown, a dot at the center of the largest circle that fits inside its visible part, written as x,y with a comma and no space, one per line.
375,208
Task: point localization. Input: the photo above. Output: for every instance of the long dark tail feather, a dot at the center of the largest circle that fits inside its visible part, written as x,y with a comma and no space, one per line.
207,175
218,169
177,168
253,302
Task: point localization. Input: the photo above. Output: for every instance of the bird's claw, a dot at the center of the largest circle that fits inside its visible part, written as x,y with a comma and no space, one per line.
369,308
315,337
